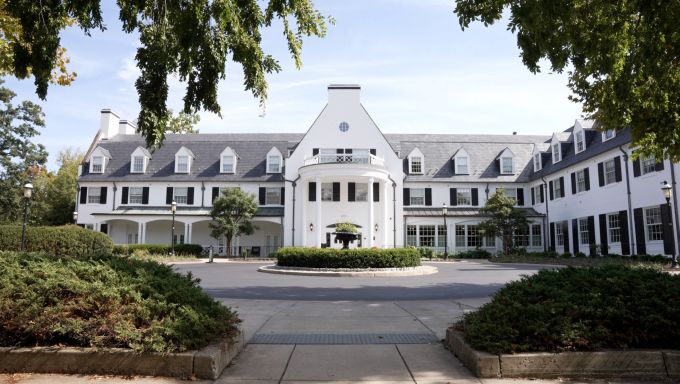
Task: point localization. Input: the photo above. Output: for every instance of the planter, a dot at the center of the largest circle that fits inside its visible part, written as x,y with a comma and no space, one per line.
345,238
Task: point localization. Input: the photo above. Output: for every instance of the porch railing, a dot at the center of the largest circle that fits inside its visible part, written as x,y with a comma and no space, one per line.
345,158
262,251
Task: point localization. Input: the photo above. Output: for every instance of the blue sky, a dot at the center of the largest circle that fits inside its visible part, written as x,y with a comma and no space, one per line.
418,71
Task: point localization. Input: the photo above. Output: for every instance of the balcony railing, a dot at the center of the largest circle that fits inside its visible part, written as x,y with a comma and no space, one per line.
344,159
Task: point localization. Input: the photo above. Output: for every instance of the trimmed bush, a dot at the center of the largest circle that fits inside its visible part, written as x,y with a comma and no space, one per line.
473,254
347,258
105,301
160,249
67,240
579,309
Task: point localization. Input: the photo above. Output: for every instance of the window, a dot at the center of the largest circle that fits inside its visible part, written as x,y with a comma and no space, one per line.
556,153
181,195
473,237
361,192
647,164
463,196
417,196
506,165
653,223
557,189
416,164
227,164
580,143
94,195
583,234
426,235
273,196
559,235
580,180
326,191
609,172
460,236
441,236
536,235
182,164
274,164
511,193
490,241
135,196
138,164
537,194
521,237
181,239
97,164
537,162
462,165
411,238
614,228
608,134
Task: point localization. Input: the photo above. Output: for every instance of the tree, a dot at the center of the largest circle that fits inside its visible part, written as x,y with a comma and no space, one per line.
505,221
20,158
191,39
182,123
61,190
232,212
622,58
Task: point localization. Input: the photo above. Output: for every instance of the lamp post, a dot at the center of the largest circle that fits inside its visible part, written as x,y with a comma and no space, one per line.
173,208
446,237
75,217
28,192
667,190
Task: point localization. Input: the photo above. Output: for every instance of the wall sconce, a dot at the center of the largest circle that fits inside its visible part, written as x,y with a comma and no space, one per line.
376,227
311,227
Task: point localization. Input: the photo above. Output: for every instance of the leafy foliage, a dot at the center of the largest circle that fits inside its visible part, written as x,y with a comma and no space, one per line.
105,301
346,227
347,258
505,219
159,249
182,123
476,253
575,309
189,39
232,212
622,58
68,240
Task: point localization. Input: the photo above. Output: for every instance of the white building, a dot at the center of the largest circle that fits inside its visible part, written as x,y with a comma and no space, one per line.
579,188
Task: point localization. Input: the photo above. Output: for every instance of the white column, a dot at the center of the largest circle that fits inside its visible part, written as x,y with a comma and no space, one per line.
304,200
371,215
317,225
191,229
186,233
387,211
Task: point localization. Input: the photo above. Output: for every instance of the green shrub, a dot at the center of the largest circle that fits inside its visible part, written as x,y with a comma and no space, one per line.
477,253
425,252
160,249
347,258
67,240
346,227
579,254
105,301
569,309
566,255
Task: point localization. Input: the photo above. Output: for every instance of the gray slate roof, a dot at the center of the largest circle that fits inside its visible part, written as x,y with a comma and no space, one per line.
452,211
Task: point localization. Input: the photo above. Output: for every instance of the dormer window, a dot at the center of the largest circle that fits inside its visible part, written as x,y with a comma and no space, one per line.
138,164
182,164
416,164
507,165
537,162
462,165
227,164
556,155
580,142
97,164
274,164
138,160
608,134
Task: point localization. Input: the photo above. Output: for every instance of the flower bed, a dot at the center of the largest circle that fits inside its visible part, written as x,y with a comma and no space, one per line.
347,258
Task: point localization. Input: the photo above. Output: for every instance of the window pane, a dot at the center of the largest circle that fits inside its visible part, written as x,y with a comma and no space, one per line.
138,164
426,235
559,236
441,236
609,172
182,163
506,163
583,235
274,164
135,196
614,228
411,237
460,236
326,191
580,181
228,164
273,196
464,196
462,165
417,196
93,195
97,162
536,235
473,238
653,221
579,141
416,164
647,164
181,194
556,153
361,192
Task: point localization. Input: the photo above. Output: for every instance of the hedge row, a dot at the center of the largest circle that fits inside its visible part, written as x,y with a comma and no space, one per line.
160,249
105,301
68,240
577,309
347,258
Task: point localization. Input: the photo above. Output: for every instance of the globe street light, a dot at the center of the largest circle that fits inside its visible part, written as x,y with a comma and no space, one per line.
28,192
75,217
667,190
446,236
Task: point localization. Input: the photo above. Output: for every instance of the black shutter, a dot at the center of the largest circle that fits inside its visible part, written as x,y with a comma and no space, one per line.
372,151
475,197
312,191
617,168
453,200
351,191
145,195
586,174
591,234
83,195
520,197
640,240
636,167
104,228
190,196
263,195
552,236
315,151
215,193
659,166
453,165
533,199
562,186
168,195
575,234
625,237
667,225
603,235
550,191
573,183
283,195
600,174
407,197
336,191
376,192
542,193
428,197
124,195
102,195
565,234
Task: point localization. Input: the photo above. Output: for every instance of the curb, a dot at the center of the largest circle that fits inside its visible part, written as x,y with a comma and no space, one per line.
647,364
330,272
207,363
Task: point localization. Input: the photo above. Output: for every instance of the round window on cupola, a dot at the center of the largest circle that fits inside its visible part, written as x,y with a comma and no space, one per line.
344,127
